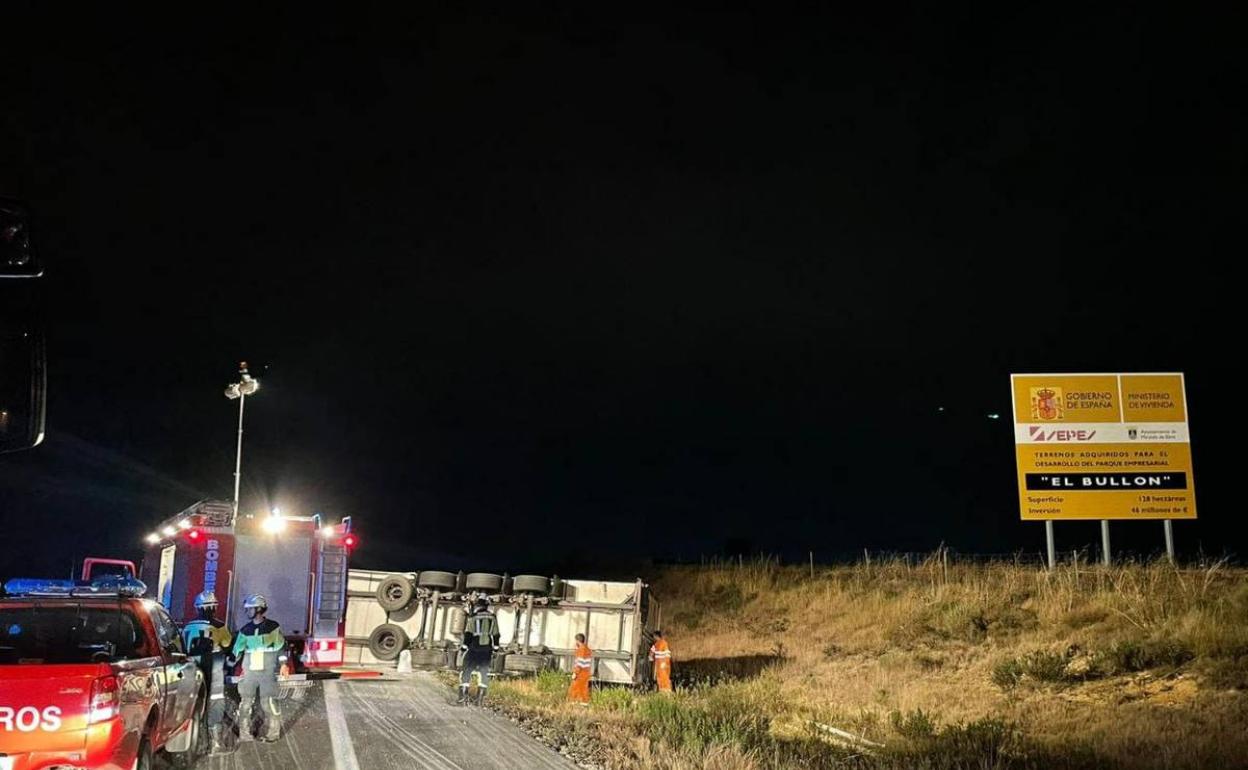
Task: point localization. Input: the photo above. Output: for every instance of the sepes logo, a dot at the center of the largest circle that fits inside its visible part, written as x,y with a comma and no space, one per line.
1039,433
27,719
1046,404
1132,433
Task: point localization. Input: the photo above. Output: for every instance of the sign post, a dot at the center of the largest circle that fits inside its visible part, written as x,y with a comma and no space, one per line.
1103,446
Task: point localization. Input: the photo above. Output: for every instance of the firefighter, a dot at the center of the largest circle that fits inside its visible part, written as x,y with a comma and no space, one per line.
661,657
259,644
582,668
480,642
207,639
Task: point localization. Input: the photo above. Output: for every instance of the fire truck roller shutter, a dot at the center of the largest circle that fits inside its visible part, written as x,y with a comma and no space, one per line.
395,592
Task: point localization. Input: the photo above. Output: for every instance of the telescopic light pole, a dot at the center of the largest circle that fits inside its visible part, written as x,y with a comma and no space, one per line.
246,386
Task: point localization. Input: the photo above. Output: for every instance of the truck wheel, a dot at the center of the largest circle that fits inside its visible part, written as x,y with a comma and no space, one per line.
395,592
524,664
531,584
387,641
484,581
443,581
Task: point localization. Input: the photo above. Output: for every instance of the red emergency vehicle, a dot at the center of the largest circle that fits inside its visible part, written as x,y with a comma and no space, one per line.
298,563
91,676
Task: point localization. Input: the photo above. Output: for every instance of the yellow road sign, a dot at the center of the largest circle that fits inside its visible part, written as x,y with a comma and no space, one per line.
1102,446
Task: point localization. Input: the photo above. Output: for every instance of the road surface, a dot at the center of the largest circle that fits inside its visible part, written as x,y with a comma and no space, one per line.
399,721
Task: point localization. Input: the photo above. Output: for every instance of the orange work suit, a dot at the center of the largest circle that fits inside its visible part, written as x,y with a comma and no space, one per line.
582,668
661,657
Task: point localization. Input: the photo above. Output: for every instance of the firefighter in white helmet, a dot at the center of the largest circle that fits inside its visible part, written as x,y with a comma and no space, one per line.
480,642
208,641
260,644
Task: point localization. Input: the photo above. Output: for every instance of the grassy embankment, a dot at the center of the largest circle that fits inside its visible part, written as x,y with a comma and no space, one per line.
943,665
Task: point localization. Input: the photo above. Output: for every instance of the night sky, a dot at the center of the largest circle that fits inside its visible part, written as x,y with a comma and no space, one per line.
578,289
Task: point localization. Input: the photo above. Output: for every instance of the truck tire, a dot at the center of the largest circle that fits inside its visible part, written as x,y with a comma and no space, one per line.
524,664
395,593
442,581
387,641
531,584
484,581
429,658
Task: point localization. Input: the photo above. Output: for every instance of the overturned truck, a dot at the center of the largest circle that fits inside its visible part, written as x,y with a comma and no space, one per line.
538,618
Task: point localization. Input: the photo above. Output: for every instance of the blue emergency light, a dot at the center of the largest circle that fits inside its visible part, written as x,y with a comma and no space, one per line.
107,585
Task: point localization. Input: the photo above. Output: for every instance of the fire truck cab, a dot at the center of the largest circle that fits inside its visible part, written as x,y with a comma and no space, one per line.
296,562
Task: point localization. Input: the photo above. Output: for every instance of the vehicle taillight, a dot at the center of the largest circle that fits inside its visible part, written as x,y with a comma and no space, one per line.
349,541
105,700
194,535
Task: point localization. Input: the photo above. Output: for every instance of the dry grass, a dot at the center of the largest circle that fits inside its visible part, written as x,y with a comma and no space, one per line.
947,664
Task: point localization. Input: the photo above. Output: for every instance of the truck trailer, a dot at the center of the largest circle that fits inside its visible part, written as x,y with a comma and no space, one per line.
538,617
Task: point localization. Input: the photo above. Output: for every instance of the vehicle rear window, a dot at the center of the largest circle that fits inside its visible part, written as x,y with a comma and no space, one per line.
68,633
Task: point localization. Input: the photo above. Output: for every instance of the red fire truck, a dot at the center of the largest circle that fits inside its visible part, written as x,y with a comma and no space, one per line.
298,563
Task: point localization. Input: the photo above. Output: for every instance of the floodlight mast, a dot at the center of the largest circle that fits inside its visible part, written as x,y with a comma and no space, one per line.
246,386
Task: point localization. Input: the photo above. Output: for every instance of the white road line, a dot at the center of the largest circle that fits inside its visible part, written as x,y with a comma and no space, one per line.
339,736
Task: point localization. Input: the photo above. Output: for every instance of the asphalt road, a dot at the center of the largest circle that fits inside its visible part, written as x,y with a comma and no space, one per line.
399,721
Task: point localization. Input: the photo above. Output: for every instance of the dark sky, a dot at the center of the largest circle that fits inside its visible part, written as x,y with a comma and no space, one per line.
566,288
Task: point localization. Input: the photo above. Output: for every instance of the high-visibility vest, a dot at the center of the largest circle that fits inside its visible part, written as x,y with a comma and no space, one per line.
584,657
660,651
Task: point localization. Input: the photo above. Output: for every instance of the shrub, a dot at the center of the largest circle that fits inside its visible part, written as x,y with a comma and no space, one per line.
914,725
1131,656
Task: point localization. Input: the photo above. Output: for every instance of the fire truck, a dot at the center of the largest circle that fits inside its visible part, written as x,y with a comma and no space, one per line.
299,563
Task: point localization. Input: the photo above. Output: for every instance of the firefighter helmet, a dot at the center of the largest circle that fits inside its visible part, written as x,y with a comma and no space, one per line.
256,602
205,599
483,604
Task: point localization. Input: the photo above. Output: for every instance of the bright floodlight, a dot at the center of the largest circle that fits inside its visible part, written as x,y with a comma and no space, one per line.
153,538
327,531
169,532
274,524
184,524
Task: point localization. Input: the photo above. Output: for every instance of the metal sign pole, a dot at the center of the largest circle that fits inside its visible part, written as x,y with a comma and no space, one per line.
1106,555
1048,536
1169,540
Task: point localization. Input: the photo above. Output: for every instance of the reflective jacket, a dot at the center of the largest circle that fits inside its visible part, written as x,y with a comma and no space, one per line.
480,636
204,636
259,644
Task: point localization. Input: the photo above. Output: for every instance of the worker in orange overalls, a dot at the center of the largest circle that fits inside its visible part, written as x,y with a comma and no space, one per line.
582,667
661,657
